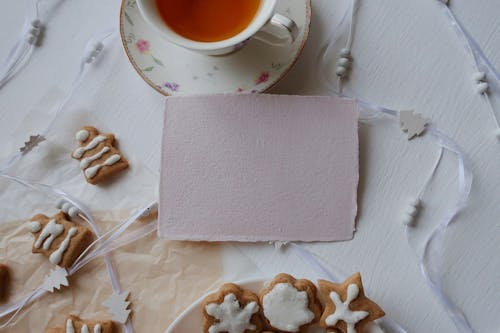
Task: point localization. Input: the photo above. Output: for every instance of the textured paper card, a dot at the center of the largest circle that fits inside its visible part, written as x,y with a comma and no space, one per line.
259,168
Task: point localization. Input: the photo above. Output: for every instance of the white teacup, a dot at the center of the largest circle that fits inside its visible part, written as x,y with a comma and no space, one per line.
267,26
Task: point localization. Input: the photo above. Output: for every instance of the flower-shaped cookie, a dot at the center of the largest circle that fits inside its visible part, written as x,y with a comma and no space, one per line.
289,305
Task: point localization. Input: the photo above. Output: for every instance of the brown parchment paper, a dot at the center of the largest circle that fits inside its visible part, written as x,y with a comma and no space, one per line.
163,277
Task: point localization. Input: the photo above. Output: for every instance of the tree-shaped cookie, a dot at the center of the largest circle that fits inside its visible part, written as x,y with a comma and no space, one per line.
99,159
231,310
347,309
58,239
76,325
289,305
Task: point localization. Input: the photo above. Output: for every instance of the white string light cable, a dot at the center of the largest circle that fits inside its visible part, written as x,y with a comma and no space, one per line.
345,59
26,43
91,52
481,65
93,49
106,243
431,260
415,204
109,241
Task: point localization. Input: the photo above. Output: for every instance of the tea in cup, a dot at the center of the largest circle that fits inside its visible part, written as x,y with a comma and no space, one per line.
217,27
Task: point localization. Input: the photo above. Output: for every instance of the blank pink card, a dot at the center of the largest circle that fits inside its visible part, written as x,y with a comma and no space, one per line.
259,168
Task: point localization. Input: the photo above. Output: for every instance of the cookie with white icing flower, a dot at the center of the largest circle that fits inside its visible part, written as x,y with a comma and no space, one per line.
289,305
58,239
98,156
231,310
75,325
4,281
347,309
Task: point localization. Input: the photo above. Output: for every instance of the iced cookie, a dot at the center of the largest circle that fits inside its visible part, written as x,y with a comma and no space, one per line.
289,305
231,310
347,309
76,325
58,239
98,157
4,281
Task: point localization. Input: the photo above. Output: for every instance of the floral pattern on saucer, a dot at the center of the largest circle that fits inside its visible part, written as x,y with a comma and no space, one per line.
172,70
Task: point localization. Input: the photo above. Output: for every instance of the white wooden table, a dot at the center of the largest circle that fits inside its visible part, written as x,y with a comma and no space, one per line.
406,56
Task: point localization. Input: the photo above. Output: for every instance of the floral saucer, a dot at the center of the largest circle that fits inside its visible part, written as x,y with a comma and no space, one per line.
173,70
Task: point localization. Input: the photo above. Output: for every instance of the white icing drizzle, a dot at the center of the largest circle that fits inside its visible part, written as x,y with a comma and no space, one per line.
230,317
342,310
78,153
82,135
287,308
34,226
85,329
48,234
85,162
69,326
92,171
56,256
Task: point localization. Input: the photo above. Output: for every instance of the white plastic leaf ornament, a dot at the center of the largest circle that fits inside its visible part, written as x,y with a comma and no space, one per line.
31,143
413,124
118,306
57,278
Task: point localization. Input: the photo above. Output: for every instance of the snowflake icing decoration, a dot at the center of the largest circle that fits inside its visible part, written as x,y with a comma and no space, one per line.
231,318
343,312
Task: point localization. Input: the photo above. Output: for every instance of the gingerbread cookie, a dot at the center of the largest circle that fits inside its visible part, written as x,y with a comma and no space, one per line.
76,325
231,310
58,239
289,305
4,281
98,157
347,309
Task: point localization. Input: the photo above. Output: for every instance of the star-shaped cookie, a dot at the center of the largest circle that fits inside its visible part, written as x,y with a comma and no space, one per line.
347,309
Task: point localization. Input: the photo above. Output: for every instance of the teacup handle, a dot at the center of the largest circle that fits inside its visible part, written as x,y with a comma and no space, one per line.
278,31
